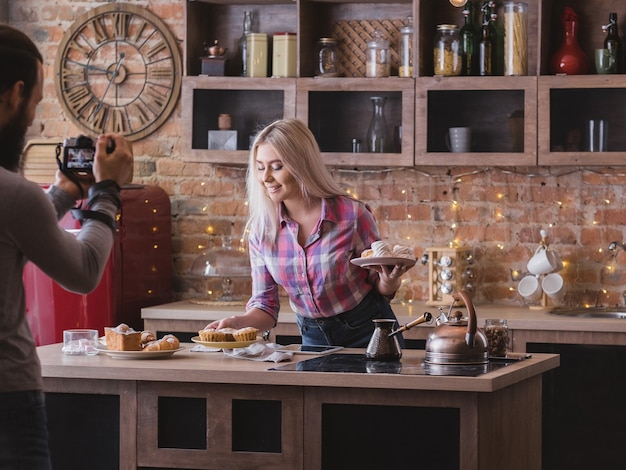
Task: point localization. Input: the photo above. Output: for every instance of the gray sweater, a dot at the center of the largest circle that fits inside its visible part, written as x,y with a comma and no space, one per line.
29,231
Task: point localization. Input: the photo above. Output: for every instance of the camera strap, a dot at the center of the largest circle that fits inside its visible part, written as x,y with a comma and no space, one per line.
82,214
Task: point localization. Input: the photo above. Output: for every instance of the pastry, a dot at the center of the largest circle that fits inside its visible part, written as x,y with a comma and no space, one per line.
211,335
401,251
246,334
167,343
367,253
228,333
122,338
381,249
147,336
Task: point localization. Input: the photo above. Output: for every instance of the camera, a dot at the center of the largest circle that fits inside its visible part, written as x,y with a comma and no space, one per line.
78,154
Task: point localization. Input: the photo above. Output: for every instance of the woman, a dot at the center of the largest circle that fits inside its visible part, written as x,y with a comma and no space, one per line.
303,232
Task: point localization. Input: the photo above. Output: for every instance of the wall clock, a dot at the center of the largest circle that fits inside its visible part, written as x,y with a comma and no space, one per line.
118,69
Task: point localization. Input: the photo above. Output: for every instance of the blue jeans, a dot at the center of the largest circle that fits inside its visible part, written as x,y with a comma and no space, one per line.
351,329
24,431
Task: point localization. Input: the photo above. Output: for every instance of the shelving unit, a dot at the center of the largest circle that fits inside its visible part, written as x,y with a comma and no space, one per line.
516,121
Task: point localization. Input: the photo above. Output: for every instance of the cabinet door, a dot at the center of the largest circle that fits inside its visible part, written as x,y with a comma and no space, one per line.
576,111
339,110
252,104
500,111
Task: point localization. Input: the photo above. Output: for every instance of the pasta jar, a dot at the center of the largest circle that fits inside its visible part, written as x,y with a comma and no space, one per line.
447,51
515,38
326,53
406,51
377,63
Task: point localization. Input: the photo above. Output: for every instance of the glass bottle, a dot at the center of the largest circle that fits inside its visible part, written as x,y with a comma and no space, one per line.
468,43
378,140
447,51
326,53
406,49
243,42
569,59
612,42
377,64
515,38
487,42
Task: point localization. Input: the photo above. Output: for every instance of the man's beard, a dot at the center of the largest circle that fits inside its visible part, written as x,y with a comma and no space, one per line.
12,140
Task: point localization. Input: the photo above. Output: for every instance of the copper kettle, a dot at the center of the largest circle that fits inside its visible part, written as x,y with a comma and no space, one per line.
457,340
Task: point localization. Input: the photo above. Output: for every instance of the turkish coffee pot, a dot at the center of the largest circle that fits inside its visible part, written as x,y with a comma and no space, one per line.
455,339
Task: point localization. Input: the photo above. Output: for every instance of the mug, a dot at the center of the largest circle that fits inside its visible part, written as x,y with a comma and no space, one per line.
554,286
541,262
459,139
529,288
605,61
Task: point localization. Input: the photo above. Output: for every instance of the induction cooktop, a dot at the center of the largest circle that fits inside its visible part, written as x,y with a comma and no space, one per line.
359,364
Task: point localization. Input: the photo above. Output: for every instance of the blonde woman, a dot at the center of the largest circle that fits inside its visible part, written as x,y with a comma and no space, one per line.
303,232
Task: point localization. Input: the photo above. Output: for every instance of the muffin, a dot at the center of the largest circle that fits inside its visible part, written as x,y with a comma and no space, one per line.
211,335
246,334
228,333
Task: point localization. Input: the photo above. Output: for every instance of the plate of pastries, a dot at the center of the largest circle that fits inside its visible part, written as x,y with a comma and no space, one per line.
227,338
123,342
383,254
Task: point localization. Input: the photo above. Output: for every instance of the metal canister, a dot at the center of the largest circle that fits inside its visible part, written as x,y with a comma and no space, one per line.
257,54
284,55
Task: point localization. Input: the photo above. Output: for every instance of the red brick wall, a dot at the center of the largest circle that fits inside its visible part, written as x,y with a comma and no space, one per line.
497,212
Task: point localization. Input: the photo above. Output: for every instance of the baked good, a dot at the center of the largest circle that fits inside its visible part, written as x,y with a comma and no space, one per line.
246,334
400,251
228,333
381,249
167,343
122,338
211,335
367,253
147,336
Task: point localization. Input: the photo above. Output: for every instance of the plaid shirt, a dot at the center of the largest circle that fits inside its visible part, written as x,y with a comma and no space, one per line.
319,278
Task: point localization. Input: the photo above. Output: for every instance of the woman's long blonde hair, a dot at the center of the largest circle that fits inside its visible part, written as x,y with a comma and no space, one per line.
300,154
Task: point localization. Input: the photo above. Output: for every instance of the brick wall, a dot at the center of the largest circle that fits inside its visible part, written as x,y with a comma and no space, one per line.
497,212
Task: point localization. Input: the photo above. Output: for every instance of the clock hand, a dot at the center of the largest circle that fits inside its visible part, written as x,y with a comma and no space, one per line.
113,76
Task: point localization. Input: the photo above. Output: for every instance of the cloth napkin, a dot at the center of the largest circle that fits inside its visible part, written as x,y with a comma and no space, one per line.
260,352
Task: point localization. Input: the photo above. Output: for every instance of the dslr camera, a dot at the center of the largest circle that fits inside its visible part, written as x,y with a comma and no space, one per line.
79,153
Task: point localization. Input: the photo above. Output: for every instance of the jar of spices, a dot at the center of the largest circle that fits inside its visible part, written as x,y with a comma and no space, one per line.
377,63
326,53
447,52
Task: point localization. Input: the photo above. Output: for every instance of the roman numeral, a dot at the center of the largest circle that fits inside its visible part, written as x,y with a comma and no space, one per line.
121,22
160,73
78,98
99,29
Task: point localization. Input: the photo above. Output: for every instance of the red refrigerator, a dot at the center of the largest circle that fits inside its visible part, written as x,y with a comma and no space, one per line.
138,273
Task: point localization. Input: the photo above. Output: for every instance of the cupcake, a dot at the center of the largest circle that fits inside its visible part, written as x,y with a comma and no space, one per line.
246,334
211,335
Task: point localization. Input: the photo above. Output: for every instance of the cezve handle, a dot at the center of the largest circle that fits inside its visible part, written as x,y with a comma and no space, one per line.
424,318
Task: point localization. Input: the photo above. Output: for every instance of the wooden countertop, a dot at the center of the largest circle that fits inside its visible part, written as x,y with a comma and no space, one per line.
215,367
518,318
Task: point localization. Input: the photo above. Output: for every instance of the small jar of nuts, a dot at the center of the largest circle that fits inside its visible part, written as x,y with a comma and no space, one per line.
497,333
447,51
377,62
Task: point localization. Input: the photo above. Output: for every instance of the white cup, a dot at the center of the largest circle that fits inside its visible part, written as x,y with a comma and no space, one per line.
80,342
529,288
541,262
554,286
459,139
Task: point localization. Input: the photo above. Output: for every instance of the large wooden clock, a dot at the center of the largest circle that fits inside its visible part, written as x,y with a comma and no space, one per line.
118,69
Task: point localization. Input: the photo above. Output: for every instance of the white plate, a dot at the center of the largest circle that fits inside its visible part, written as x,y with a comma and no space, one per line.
224,344
139,354
383,261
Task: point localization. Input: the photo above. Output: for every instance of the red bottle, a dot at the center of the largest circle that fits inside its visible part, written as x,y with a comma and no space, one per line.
569,59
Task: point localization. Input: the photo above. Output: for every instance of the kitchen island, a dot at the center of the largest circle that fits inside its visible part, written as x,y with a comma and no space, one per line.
205,410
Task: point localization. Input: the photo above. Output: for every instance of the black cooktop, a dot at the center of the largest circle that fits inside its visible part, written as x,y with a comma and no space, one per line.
359,364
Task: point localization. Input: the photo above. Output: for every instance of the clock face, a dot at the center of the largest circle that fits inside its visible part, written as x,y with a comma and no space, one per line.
118,70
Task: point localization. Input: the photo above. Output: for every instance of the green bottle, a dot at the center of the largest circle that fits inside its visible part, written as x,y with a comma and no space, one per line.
469,35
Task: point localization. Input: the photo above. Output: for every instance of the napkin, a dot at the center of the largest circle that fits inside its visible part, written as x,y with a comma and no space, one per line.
260,352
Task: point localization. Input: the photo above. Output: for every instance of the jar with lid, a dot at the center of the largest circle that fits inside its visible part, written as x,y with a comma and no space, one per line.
377,63
406,49
326,54
515,38
447,51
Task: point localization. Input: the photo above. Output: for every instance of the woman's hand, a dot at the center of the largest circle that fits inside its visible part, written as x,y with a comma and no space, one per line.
256,318
390,278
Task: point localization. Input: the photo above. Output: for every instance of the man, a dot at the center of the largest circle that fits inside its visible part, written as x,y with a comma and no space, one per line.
30,232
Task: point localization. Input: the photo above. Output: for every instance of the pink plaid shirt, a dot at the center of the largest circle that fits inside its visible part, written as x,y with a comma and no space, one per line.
319,278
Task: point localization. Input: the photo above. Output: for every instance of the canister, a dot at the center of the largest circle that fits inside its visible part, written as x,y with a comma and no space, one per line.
284,55
257,54
515,38
447,50
377,64
406,50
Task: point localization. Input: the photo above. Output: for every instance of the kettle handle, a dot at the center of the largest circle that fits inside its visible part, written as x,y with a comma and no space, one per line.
471,318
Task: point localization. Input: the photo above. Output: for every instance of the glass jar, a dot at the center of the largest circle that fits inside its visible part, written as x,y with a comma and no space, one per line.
497,333
447,52
406,50
326,53
377,63
515,38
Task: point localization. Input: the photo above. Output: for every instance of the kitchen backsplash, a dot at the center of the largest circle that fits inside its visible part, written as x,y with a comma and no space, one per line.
498,213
